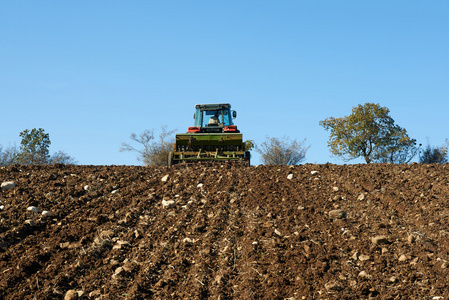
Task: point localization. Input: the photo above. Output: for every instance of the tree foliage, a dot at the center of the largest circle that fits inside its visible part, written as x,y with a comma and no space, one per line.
34,147
282,151
249,145
34,150
371,133
155,150
400,150
435,155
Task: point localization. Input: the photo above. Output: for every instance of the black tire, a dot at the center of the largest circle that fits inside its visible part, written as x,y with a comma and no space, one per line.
170,159
247,156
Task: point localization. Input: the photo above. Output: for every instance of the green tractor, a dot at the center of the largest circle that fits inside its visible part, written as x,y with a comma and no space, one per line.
214,137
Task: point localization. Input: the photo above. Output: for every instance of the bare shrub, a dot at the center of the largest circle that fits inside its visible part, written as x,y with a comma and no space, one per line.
155,151
61,157
8,156
282,151
435,155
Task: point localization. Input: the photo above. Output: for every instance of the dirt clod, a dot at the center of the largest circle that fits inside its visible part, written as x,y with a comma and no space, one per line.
225,232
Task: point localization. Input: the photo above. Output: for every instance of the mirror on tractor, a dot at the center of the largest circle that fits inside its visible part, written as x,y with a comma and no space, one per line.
234,114
194,116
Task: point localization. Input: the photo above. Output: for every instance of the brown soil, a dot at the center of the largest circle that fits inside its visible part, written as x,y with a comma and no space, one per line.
246,233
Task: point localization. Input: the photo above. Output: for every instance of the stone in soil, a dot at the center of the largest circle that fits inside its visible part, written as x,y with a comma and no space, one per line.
244,233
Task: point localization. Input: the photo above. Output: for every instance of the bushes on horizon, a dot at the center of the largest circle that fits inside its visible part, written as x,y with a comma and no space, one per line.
435,155
34,150
282,151
155,150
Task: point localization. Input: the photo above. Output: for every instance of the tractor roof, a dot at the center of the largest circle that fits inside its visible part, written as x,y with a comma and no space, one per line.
212,106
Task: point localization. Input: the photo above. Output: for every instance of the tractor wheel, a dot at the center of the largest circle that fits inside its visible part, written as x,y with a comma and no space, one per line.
170,159
247,157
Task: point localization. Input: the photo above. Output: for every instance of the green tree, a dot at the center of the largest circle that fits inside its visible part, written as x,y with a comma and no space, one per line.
371,133
34,147
282,151
249,145
435,155
155,151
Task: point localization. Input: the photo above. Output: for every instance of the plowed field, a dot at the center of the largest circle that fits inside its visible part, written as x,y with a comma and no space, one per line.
225,232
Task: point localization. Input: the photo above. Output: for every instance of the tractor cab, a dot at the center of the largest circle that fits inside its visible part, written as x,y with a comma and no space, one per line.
214,118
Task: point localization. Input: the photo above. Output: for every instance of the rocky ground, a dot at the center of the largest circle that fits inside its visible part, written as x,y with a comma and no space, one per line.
225,232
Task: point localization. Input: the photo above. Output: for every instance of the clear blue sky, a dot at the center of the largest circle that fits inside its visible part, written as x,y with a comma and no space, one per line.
92,72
